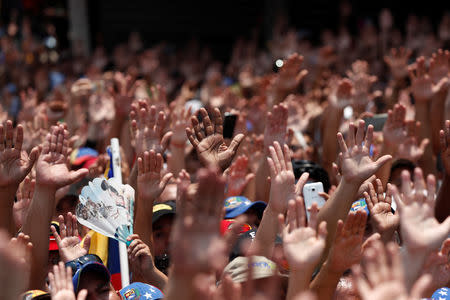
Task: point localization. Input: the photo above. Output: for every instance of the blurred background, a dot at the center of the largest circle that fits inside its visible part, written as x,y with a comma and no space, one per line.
83,24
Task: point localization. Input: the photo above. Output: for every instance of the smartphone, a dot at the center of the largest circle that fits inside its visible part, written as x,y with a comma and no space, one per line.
311,195
229,122
377,121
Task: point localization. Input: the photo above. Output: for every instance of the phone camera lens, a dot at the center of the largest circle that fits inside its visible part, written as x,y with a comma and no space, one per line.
313,189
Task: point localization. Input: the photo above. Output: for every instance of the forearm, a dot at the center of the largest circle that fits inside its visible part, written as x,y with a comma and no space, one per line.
325,283
442,207
179,287
385,171
262,188
412,266
264,241
176,162
335,209
299,282
331,120
436,117
6,205
423,116
37,226
154,277
143,223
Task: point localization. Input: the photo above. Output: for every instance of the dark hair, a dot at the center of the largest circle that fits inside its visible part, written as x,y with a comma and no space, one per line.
316,172
402,164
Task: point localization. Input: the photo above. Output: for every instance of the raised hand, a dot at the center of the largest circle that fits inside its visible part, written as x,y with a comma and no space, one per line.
348,247
440,66
302,245
15,256
61,284
438,266
140,257
15,164
421,232
290,75
209,143
410,149
282,184
422,86
51,167
444,137
196,229
276,126
24,196
381,276
238,178
362,82
357,165
381,216
341,93
394,131
68,240
180,121
398,62
150,181
148,128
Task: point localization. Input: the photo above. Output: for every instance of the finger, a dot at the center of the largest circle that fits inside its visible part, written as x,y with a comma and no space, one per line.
56,235
218,122
369,137
9,134
207,124
140,165
87,243
19,138
197,129
152,161
351,135
62,226
360,133
74,226
368,201
280,155
165,180
234,145
287,158
2,137
272,168
275,159
419,182
313,216
158,163
165,140
191,138
82,294
291,216
373,194
341,143
420,287
146,163
68,222
301,183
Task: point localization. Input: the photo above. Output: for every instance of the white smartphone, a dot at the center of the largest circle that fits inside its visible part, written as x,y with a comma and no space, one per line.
311,195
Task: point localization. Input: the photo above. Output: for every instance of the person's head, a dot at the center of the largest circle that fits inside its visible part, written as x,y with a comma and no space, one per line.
95,278
163,218
238,205
396,170
316,172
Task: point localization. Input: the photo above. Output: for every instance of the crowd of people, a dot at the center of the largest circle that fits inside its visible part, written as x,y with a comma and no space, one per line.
219,154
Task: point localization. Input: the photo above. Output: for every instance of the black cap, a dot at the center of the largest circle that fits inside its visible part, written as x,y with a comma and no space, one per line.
163,209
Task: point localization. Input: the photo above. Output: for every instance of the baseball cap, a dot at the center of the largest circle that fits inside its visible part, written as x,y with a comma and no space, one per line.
36,295
237,205
93,266
52,245
262,267
163,209
225,226
442,293
139,290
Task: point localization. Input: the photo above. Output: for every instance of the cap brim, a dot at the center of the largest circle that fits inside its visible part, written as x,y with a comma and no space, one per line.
88,267
159,214
258,205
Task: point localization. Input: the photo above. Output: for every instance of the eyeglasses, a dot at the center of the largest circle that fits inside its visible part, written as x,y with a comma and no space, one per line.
76,264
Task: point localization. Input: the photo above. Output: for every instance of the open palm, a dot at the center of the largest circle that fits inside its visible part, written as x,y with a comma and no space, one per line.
15,164
209,143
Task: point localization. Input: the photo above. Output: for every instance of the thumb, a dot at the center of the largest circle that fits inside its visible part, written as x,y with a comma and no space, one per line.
382,160
87,243
165,140
234,145
165,180
424,144
75,176
248,178
82,295
34,154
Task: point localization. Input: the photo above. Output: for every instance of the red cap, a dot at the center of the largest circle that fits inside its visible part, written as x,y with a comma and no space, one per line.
226,225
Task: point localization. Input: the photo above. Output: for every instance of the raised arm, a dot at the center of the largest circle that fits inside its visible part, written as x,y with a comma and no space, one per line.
52,172
357,166
442,209
15,164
